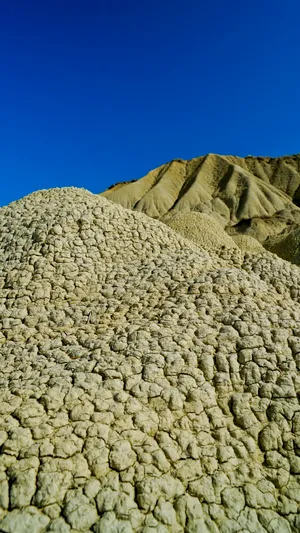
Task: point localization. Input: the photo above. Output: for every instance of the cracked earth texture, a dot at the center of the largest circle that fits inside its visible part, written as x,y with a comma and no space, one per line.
147,385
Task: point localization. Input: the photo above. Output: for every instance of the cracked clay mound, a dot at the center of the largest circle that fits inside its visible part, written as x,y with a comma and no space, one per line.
147,385
254,196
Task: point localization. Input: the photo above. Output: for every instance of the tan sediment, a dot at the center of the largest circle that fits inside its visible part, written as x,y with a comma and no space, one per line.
147,382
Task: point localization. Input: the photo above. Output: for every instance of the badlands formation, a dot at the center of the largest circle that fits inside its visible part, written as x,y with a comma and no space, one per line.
149,382
258,197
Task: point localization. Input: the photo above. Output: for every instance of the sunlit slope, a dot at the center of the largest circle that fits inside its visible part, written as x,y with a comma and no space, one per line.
148,383
255,196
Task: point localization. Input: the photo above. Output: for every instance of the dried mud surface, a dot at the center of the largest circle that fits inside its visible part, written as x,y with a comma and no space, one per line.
147,384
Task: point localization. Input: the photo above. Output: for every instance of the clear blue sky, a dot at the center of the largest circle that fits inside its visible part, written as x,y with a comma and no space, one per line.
94,92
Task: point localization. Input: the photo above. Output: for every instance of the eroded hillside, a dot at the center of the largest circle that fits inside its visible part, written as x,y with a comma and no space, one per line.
253,196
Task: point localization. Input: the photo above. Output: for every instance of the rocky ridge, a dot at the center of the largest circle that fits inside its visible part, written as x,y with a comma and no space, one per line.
148,384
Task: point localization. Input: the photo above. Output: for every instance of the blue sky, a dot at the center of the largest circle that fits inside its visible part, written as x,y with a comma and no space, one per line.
95,92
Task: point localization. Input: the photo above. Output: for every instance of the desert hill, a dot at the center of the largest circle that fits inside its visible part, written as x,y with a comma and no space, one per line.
148,384
254,196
